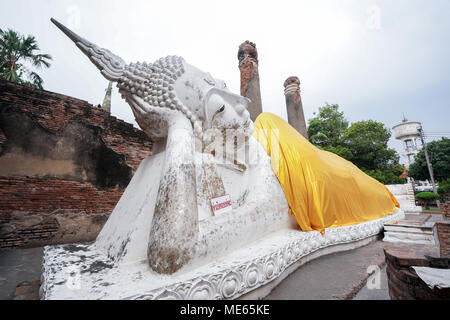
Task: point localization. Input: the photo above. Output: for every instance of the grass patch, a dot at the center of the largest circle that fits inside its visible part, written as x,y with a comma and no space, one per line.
431,211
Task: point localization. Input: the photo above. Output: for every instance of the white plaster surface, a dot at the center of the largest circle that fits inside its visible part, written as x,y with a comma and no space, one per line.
124,238
259,208
410,231
407,237
404,194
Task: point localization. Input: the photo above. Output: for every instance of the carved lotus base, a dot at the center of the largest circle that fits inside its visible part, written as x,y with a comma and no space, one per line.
78,271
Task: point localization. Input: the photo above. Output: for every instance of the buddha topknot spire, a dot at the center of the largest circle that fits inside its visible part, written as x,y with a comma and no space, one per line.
110,65
159,91
149,82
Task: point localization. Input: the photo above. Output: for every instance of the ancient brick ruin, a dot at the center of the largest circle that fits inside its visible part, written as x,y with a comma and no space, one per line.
64,165
294,106
443,231
250,88
404,283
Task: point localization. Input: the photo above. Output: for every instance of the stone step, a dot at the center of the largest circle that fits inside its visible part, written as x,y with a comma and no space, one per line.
408,229
413,229
404,237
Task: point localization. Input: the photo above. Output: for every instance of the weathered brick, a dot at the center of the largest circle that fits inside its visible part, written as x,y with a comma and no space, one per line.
47,196
403,282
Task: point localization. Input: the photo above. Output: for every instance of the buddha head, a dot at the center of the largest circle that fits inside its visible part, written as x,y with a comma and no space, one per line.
169,86
162,91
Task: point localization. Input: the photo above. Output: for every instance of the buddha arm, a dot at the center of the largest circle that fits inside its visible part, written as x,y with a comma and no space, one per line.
174,229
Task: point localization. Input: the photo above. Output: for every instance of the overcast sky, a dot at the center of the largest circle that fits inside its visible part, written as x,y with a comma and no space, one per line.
376,59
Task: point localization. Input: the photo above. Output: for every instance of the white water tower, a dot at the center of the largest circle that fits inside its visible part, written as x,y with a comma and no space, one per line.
408,133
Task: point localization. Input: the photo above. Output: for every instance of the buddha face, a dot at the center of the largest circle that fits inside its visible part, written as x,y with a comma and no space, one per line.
211,102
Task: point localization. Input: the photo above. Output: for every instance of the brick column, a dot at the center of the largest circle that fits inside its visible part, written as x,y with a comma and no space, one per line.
443,231
248,65
294,106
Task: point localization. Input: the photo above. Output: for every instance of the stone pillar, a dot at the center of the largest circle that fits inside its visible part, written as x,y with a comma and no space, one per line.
248,65
107,101
294,106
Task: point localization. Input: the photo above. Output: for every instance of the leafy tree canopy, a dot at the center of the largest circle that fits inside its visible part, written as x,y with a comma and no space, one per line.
365,143
368,141
427,198
15,50
444,186
328,127
427,195
439,153
444,189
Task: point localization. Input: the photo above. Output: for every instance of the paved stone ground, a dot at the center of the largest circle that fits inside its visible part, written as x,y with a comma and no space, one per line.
371,291
337,276
17,266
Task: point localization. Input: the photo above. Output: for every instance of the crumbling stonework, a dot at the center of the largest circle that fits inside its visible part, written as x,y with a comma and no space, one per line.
250,87
404,283
64,164
445,210
443,231
27,290
296,117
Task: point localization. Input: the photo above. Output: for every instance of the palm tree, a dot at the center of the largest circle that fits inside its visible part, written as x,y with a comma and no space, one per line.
16,48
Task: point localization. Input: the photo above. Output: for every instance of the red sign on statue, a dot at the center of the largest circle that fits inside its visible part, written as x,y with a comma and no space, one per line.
221,204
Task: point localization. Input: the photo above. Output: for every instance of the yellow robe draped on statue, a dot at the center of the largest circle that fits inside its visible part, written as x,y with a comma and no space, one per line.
323,190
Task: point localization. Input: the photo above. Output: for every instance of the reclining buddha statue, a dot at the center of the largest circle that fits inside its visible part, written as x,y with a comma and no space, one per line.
206,146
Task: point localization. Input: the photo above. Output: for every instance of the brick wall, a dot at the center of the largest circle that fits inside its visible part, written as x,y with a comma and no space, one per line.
65,164
445,209
443,233
403,282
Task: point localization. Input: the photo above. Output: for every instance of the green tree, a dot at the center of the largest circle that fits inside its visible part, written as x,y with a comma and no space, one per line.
427,198
365,143
439,152
328,127
368,142
15,50
341,151
444,189
387,176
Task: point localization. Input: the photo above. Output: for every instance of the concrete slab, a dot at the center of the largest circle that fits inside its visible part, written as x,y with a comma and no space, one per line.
334,277
373,293
412,229
16,266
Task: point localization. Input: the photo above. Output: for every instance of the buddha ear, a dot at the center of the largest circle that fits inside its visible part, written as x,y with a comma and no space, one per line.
246,101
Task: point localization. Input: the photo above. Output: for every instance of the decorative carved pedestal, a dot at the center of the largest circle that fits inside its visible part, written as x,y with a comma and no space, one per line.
81,272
